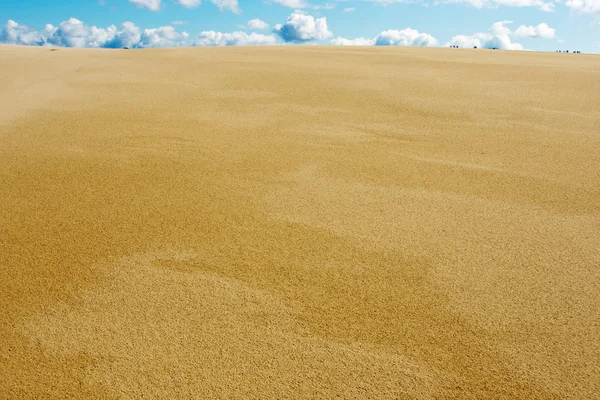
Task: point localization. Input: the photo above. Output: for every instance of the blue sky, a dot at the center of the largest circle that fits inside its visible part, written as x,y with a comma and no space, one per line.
544,25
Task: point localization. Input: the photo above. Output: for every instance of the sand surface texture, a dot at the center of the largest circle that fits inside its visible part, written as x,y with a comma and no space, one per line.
299,222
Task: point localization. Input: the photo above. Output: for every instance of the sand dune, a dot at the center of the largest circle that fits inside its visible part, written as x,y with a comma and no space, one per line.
299,222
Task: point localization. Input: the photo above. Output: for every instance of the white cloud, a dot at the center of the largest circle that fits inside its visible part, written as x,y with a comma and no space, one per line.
212,38
585,6
14,33
300,28
231,5
340,41
322,6
72,33
165,36
485,41
544,5
388,2
540,31
128,36
300,4
257,24
582,6
189,3
497,36
516,3
349,9
500,29
547,7
405,37
152,5
291,3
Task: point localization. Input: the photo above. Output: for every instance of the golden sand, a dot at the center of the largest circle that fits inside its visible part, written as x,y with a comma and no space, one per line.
299,222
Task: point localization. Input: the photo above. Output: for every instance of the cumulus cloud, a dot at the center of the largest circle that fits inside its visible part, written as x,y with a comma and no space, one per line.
257,24
301,27
584,6
388,2
128,36
69,33
349,9
189,3
547,7
14,33
300,4
544,5
74,33
231,5
291,3
212,38
540,31
341,41
152,5
497,36
405,37
322,6
165,36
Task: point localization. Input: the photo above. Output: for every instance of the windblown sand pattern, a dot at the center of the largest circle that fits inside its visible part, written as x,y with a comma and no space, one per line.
299,222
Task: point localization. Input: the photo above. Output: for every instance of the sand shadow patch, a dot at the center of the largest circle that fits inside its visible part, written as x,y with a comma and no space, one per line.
160,324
